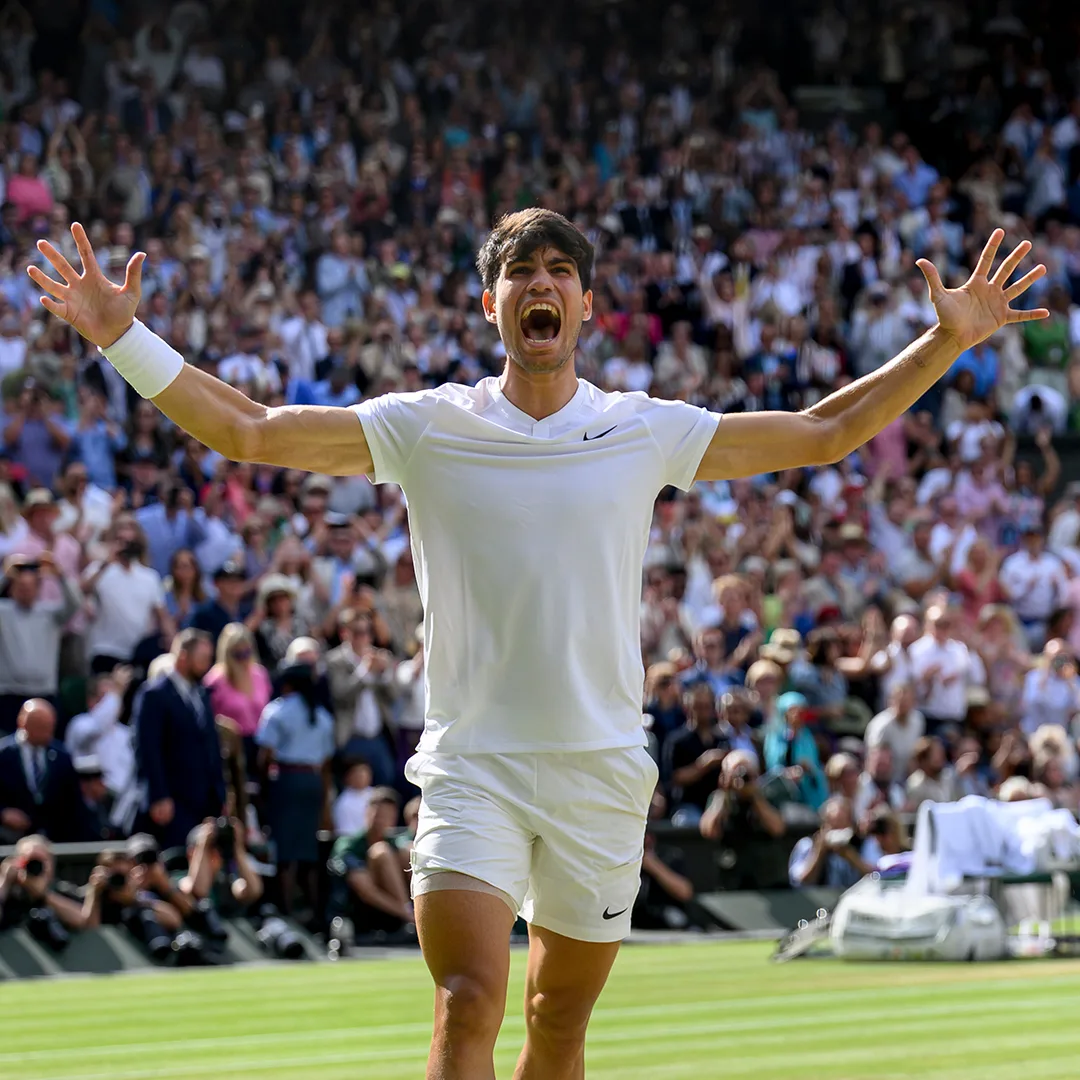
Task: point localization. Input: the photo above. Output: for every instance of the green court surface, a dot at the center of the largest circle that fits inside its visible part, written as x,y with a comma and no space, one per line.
699,1010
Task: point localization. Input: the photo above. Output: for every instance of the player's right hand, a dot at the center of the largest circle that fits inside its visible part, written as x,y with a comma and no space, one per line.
101,311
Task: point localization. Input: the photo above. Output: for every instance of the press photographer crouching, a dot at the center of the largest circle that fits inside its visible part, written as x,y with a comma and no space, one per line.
131,888
222,883
30,897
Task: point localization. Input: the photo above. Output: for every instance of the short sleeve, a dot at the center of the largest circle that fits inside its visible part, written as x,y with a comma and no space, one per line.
683,433
266,734
393,425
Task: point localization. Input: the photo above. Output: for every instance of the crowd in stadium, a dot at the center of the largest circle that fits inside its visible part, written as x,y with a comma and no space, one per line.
229,658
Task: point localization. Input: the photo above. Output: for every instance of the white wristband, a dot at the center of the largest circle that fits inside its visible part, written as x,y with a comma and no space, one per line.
147,362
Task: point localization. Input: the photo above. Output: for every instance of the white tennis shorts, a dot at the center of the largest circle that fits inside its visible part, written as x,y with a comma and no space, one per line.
561,835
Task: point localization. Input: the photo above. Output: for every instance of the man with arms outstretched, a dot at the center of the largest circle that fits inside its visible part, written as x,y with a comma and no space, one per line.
530,499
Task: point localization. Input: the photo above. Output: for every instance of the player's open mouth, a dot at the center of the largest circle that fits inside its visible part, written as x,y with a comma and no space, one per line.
540,323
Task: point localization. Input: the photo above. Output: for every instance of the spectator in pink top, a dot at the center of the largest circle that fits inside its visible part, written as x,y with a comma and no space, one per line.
888,450
979,495
27,192
239,685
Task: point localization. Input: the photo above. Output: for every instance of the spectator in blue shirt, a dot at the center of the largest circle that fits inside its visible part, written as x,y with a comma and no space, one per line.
915,179
170,525
97,440
296,742
36,435
982,362
229,605
336,389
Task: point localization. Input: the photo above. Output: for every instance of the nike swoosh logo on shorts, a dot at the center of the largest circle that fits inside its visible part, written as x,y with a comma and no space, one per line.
587,437
614,914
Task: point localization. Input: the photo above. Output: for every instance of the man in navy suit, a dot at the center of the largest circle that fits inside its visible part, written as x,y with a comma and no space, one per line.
177,752
39,790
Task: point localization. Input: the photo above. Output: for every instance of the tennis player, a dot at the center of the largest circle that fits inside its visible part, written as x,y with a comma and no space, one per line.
530,499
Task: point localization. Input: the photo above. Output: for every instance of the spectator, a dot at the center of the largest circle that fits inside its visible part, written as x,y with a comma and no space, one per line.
1035,583
239,685
881,783
665,890
942,670
899,728
370,880
99,733
934,779
829,858
362,685
36,434
409,681
350,807
39,791
227,606
790,745
275,620
177,753
663,700
1051,690
691,758
169,526
30,630
129,608
183,588
296,742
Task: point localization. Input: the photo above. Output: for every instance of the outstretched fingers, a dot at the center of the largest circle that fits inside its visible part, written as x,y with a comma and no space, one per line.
86,252
1009,264
43,281
986,259
1018,288
1027,316
133,274
933,278
59,263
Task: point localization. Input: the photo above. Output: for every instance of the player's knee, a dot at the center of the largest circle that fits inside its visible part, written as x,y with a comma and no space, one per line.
470,1010
559,1020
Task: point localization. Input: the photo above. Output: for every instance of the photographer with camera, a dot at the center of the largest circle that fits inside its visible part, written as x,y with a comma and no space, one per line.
29,896
738,810
132,889
220,870
830,857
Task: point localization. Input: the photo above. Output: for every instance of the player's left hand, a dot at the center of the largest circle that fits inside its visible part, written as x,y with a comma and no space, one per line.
980,307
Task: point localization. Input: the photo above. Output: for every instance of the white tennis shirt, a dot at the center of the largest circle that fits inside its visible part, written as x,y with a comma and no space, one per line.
528,539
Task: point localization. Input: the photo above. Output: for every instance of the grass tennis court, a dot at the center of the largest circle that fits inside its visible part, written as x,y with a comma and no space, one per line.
699,1010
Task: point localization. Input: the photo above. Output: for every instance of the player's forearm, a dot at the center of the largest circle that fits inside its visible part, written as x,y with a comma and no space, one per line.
871,403
217,414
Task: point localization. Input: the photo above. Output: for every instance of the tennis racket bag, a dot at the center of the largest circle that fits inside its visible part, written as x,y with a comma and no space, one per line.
874,921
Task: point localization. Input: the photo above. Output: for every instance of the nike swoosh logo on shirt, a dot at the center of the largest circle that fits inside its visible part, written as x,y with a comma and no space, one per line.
587,437
614,914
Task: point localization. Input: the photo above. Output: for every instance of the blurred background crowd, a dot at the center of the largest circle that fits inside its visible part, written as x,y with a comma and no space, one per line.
213,649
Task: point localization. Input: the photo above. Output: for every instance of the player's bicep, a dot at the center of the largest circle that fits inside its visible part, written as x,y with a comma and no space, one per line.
750,444
316,438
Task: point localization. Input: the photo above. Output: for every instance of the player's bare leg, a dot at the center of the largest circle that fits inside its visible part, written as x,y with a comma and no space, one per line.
564,979
465,937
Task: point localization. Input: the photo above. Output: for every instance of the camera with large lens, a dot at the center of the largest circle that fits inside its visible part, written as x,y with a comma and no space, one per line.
116,880
46,929
277,937
144,925
225,838
34,867
207,922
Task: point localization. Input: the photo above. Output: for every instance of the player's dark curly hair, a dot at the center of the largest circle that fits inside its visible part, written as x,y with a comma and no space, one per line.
518,235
